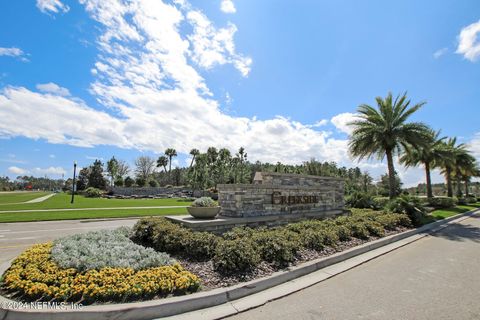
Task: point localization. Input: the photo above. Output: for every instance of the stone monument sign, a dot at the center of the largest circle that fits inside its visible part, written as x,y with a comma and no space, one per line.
275,193
273,199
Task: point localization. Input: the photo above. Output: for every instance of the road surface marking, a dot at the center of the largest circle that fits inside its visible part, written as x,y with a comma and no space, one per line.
63,229
25,238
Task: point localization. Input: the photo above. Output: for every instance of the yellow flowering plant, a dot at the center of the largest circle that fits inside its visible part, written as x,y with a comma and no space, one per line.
33,275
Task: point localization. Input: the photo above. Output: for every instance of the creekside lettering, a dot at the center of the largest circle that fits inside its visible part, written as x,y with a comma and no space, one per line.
277,198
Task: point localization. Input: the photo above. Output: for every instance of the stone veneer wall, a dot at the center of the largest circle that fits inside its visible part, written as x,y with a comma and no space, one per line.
305,194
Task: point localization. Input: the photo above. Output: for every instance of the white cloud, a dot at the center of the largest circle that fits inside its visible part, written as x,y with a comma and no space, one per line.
318,124
474,146
227,6
13,52
55,171
212,46
341,121
93,158
440,52
53,89
468,44
51,156
17,170
54,6
156,97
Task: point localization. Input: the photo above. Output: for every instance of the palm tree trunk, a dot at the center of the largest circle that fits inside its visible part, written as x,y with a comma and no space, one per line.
191,163
466,187
428,180
459,186
448,177
169,164
391,174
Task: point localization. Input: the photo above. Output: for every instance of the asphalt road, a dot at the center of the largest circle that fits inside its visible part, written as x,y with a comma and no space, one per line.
16,237
437,277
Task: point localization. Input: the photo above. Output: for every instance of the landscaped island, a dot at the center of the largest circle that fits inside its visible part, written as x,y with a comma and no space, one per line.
145,262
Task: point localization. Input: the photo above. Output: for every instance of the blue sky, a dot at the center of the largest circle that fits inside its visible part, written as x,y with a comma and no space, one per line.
89,79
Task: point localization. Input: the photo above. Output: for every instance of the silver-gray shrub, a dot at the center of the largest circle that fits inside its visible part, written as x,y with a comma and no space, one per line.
105,248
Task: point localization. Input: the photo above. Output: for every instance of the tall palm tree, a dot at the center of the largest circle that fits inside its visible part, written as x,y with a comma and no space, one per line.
162,162
194,153
464,165
170,153
448,164
472,170
429,155
385,132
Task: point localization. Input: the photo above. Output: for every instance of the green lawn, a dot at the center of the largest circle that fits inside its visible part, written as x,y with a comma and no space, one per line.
62,201
7,198
445,213
87,214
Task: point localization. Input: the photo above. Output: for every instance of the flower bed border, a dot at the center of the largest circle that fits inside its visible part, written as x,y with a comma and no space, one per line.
177,305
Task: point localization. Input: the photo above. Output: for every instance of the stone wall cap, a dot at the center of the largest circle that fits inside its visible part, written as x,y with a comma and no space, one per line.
297,175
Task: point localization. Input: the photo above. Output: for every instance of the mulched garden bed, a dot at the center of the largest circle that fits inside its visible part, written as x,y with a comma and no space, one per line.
211,279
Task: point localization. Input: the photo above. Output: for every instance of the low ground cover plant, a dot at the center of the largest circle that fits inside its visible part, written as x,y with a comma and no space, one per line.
204,202
105,248
242,249
34,276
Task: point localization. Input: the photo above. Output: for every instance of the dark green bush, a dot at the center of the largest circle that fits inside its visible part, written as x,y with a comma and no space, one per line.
317,239
442,202
391,221
235,256
380,202
374,228
239,233
360,200
410,206
471,199
200,245
161,234
92,192
343,232
358,229
279,246
153,183
462,201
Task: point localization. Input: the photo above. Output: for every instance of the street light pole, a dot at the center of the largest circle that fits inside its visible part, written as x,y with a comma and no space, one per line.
73,184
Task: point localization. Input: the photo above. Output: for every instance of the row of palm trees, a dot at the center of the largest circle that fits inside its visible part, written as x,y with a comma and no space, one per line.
384,132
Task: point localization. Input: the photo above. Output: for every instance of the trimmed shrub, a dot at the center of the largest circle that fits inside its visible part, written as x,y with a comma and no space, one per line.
277,245
235,256
374,228
358,230
34,276
166,236
442,202
391,221
92,192
318,239
240,233
201,245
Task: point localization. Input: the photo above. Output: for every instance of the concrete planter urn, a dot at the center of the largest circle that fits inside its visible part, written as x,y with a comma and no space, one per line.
203,212
204,208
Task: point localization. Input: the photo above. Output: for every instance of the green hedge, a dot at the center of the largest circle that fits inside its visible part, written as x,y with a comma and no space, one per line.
242,249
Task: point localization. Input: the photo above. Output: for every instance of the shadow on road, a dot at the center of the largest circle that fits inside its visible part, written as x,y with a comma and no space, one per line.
460,232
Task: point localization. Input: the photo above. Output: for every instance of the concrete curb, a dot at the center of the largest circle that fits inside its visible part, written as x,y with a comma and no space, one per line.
227,301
